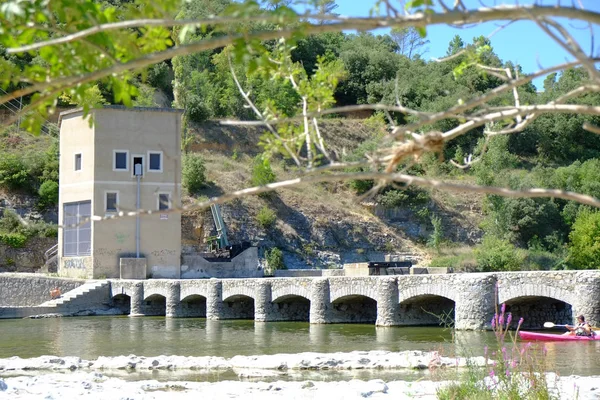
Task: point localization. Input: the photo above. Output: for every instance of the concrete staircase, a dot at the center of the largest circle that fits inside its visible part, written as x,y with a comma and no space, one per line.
90,289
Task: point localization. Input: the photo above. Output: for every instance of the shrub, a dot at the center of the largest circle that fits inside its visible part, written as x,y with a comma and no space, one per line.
393,198
193,173
266,217
48,194
496,254
13,239
584,251
436,237
274,259
13,171
409,197
262,174
10,221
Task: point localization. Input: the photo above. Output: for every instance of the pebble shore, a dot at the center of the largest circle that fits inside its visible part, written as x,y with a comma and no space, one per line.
50,378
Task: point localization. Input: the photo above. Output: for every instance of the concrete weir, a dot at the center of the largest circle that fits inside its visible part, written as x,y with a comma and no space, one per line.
468,299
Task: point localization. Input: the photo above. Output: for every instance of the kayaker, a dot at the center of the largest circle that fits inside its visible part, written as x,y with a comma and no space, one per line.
582,328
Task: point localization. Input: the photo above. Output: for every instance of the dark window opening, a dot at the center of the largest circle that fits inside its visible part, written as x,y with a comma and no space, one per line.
77,162
163,201
155,162
111,201
138,161
120,160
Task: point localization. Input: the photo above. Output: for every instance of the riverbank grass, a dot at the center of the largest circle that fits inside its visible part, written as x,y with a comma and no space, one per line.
513,370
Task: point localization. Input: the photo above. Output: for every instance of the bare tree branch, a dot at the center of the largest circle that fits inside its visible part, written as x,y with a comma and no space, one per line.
456,17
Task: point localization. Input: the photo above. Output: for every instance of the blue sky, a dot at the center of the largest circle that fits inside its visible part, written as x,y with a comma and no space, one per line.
522,43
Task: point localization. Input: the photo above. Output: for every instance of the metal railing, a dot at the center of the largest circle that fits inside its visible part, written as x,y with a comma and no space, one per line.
51,255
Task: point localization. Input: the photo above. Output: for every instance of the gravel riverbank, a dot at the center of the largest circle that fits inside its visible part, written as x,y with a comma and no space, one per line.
52,378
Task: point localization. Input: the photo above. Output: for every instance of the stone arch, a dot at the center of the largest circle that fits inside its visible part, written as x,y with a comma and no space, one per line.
154,304
193,305
354,308
291,307
229,293
299,291
238,306
158,288
188,290
427,310
345,291
535,310
119,288
508,293
122,302
433,289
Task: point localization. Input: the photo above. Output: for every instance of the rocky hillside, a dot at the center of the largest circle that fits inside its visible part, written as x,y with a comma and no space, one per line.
322,225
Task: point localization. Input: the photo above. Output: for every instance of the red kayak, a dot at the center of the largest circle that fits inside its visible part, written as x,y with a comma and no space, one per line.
524,335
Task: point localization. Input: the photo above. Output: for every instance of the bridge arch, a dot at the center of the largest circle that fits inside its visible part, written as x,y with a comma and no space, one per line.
507,293
191,290
231,293
354,308
432,289
154,304
193,305
238,306
427,310
338,292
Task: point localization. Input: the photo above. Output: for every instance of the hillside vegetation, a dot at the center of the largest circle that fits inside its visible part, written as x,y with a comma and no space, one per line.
327,224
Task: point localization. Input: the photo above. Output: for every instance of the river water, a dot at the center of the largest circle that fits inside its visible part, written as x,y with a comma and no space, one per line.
91,337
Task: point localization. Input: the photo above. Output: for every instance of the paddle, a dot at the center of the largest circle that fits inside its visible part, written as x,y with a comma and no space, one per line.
552,325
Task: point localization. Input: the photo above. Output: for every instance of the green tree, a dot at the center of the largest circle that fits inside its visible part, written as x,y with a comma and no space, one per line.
48,194
496,254
274,258
193,173
584,249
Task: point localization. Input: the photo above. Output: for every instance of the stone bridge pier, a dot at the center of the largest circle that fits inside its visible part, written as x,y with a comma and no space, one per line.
466,301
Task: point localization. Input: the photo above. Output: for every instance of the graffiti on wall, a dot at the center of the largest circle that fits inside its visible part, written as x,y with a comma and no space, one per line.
121,237
75,263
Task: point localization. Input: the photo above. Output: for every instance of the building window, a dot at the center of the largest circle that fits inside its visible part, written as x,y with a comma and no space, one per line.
112,201
155,161
78,162
77,231
135,161
164,201
120,160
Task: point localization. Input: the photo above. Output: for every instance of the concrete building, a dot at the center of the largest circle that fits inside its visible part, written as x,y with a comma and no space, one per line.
99,168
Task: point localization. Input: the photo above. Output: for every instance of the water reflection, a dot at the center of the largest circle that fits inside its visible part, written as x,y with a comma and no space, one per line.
92,337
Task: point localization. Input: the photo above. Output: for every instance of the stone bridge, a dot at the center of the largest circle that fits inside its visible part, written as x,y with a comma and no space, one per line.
469,300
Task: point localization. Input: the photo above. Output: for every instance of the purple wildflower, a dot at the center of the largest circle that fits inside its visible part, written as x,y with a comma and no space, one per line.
509,319
501,320
492,373
520,321
503,308
494,321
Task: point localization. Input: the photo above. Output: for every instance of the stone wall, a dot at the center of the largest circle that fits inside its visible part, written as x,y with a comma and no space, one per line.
20,290
244,265
27,259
